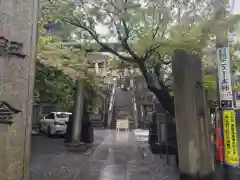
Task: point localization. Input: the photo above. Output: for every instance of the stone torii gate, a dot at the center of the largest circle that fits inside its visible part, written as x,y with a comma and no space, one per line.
79,102
100,58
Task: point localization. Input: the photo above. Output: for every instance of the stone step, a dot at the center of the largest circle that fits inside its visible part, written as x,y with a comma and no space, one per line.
97,123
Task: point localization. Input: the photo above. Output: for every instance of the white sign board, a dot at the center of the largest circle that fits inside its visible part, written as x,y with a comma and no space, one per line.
224,78
122,124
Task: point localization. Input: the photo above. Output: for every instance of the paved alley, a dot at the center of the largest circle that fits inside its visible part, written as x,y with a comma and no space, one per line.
115,156
50,159
119,157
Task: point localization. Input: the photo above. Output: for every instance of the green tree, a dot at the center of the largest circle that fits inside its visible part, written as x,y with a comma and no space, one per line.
149,32
53,86
57,67
53,27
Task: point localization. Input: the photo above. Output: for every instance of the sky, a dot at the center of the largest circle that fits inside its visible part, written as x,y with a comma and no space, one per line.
236,8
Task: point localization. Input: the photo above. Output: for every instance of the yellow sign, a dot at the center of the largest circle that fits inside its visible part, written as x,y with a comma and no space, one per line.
230,138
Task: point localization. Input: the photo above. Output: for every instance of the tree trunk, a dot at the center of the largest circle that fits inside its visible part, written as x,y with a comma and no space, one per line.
159,89
166,100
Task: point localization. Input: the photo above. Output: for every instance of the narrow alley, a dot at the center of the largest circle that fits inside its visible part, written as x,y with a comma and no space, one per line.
119,156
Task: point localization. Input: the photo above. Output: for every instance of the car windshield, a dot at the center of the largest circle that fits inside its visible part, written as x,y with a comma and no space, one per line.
62,115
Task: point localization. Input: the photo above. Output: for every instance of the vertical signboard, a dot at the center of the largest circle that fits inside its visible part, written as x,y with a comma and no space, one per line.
230,138
224,78
226,103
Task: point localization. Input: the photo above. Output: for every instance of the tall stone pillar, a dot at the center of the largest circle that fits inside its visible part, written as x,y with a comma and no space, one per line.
96,67
78,112
195,149
18,32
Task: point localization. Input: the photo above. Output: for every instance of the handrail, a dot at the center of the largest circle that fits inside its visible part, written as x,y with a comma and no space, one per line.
111,104
112,98
134,103
135,112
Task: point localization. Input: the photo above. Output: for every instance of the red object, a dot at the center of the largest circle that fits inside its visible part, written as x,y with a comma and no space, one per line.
219,145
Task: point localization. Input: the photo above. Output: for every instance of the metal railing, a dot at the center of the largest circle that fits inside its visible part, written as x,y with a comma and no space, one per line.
134,103
111,104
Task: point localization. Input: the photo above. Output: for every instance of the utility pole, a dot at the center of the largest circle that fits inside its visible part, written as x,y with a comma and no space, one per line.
195,149
18,34
226,104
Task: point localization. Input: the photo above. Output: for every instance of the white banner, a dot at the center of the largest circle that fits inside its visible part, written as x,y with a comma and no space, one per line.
224,76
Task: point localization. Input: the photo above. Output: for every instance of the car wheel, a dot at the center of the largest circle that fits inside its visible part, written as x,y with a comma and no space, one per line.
49,134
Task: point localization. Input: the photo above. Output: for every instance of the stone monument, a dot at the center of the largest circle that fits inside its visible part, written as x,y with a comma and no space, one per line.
18,32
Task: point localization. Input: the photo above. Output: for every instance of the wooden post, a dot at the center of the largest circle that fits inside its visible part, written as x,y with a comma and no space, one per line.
196,159
18,33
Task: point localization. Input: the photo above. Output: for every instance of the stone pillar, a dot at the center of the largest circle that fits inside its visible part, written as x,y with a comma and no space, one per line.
78,112
96,67
18,32
196,153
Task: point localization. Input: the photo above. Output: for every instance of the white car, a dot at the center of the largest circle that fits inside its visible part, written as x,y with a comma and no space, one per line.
55,123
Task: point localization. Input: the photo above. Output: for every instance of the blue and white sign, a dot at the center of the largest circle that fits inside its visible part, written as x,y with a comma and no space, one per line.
224,78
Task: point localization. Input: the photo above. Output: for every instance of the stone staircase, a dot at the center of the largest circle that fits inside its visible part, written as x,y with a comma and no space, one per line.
123,108
131,123
97,123
113,123
118,113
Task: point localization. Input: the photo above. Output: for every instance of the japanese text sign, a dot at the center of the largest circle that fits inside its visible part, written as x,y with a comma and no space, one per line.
230,138
224,78
11,48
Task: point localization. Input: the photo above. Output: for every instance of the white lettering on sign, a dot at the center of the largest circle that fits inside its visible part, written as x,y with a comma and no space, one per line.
224,74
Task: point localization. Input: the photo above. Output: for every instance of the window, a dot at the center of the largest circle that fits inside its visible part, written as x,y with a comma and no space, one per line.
62,115
50,116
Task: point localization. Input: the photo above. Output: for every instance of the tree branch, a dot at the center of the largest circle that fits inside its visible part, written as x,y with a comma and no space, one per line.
95,37
125,44
162,94
77,22
150,52
124,40
149,80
